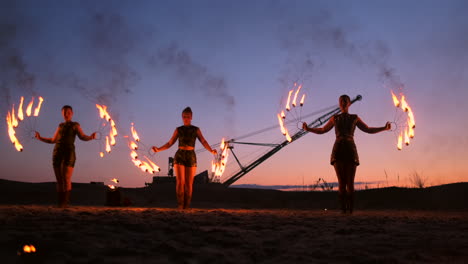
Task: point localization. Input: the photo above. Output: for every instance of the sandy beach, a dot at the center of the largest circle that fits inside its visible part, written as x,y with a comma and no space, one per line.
93,233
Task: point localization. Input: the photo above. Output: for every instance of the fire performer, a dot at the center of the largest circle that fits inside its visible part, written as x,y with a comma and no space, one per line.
344,156
185,160
63,158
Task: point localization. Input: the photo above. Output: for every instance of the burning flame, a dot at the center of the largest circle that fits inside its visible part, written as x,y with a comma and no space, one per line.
134,155
284,130
29,249
218,165
408,132
12,133
134,134
289,100
302,100
154,167
38,107
133,145
110,139
29,107
108,148
396,102
115,180
20,109
400,142
295,95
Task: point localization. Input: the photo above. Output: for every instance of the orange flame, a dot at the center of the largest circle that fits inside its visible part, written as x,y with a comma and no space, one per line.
400,142
115,180
101,154
302,100
281,123
404,105
283,115
103,112
134,155
152,165
289,100
14,121
29,249
38,107
108,148
295,95
20,109
396,102
222,144
29,107
135,134
12,132
133,145
112,187
112,138
407,139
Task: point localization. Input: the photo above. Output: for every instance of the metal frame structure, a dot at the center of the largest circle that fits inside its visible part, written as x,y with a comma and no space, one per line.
277,147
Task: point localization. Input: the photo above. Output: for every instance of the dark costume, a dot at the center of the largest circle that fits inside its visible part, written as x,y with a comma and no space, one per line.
64,150
187,136
344,148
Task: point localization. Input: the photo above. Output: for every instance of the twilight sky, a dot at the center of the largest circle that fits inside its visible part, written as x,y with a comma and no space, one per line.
234,62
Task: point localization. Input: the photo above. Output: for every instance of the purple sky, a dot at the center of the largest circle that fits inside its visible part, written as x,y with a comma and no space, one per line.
233,62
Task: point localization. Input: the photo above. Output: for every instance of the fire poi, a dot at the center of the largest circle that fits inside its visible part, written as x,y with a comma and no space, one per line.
137,153
14,118
292,112
218,165
110,136
404,120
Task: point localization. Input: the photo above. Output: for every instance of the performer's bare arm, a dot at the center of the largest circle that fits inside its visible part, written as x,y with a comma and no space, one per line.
82,135
372,130
204,142
47,140
320,130
168,144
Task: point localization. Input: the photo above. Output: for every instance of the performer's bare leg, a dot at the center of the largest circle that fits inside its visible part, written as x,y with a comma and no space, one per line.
350,172
340,174
67,185
180,184
60,185
189,176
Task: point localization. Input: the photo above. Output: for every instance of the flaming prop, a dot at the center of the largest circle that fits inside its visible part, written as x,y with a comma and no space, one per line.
107,121
218,165
404,120
291,114
146,165
13,119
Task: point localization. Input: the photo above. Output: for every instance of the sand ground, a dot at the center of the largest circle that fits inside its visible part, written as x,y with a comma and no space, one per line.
97,234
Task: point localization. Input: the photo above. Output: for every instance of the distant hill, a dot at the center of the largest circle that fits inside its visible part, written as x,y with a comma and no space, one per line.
444,197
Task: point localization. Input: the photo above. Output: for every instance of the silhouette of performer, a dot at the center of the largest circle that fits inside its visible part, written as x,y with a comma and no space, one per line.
63,158
185,160
344,156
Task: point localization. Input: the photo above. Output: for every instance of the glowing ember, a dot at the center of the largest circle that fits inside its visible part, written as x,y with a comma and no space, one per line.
29,249
38,107
101,154
112,187
115,180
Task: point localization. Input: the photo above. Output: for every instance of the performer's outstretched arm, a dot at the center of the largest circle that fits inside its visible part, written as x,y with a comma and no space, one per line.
320,130
82,135
204,142
372,130
168,144
47,140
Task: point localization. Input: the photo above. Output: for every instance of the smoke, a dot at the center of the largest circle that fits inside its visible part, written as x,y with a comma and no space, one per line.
317,33
192,73
14,73
108,44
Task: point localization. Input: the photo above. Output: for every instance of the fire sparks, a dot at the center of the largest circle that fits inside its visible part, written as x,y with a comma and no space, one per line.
218,165
111,137
145,166
13,119
406,129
